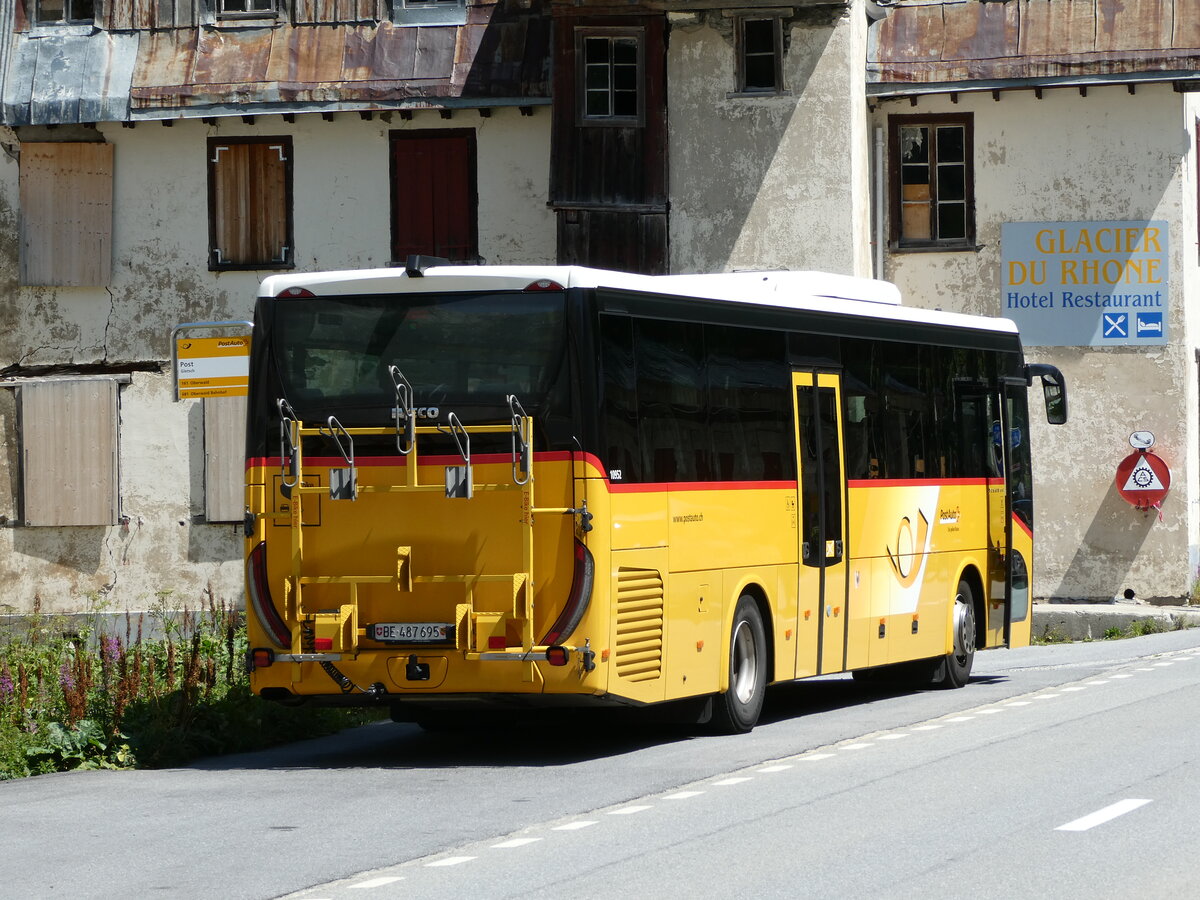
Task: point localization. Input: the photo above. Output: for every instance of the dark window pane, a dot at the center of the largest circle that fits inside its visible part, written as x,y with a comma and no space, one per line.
950,144
760,73
914,174
952,221
625,104
618,400
952,183
759,36
625,51
625,78
596,103
750,422
597,77
595,50
672,402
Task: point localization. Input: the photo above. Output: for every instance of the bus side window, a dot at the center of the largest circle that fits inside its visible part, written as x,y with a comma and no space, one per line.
619,401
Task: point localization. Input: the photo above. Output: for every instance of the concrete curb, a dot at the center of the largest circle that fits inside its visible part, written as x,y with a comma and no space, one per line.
1090,621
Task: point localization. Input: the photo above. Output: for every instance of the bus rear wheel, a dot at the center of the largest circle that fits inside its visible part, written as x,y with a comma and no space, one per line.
736,711
957,664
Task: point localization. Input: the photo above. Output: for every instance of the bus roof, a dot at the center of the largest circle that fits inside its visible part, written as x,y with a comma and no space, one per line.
815,291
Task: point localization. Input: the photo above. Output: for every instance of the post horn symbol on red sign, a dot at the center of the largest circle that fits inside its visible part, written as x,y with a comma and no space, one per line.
1143,479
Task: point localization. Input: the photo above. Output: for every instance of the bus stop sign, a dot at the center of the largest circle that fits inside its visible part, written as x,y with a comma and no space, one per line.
1143,480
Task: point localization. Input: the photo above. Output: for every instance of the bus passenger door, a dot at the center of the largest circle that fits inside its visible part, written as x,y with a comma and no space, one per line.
822,514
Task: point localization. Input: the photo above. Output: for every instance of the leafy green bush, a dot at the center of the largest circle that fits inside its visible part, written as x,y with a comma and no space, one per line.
88,698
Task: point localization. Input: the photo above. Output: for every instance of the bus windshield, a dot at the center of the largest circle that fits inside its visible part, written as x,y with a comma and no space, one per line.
457,350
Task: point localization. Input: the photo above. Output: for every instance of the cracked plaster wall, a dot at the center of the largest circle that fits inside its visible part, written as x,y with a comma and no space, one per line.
1109,155
160,278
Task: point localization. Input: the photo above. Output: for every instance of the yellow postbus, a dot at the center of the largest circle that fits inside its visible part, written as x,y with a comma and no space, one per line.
481,487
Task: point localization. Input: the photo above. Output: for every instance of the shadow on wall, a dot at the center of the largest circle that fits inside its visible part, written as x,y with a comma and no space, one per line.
734,175
1106,553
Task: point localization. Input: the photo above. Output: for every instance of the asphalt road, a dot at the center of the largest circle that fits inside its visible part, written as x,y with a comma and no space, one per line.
919,794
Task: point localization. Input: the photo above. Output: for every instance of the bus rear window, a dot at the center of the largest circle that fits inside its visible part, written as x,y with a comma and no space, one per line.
458,351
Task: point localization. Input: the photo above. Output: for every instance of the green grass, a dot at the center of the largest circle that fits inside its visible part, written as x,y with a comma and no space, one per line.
78,697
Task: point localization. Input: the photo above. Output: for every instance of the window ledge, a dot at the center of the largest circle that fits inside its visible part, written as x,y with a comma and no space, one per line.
756,95
936,248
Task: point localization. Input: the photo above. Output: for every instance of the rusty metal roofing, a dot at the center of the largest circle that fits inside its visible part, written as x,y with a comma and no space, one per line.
500,56
965,42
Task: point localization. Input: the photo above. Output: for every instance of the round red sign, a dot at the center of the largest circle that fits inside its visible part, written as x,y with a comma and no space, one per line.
1143,479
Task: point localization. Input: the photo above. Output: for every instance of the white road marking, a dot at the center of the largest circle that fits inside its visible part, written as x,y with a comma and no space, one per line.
1097,681
812,757
1017,703
724,782
892,737
630,810
376,882
990,711
1143,669
1102,815
573,826
960,719
859,746
449,861
774,768
1122,675
926,727
1164,663
1074,687
1044,696
683,795
515,842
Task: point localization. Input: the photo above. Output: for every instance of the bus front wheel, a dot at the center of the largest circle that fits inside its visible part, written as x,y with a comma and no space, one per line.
736,711
957,664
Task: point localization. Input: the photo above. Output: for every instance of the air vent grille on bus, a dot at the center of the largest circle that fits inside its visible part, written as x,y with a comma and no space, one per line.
639,624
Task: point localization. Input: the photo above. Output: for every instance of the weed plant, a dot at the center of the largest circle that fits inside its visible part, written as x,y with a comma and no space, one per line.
82,697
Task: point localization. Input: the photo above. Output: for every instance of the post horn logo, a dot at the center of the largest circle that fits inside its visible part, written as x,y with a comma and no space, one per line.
909,554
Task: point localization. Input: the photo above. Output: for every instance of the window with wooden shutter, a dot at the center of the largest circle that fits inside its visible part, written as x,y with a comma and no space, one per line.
69,447
66,214
224,458
434,201
250,203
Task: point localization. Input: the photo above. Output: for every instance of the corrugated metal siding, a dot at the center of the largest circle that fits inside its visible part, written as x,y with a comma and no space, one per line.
69,78
967,40
169,65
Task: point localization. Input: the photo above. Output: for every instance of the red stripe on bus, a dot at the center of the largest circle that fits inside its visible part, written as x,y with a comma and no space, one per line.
267,462
662,486
919,482
1020,523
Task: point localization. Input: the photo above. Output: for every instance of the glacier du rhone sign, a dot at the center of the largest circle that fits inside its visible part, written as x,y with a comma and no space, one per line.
1092,284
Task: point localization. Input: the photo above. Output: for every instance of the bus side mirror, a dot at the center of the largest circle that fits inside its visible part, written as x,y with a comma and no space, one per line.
1054,390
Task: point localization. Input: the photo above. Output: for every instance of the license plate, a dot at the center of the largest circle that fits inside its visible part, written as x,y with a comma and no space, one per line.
411,632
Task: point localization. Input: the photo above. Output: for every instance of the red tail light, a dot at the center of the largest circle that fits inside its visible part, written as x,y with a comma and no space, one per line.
558,656
578,599
261,657
258,591
294,293
543,284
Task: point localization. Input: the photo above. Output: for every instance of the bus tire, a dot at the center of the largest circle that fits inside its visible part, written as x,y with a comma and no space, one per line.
736,710
957,664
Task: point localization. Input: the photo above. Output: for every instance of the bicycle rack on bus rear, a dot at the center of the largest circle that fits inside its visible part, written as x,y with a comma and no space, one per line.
326,635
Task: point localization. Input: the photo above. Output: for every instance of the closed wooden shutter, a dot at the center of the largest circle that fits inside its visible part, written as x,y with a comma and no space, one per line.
434,195
66,214
224,459
250,202
69,452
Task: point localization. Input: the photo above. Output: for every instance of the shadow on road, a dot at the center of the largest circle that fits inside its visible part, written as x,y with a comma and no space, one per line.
547,738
